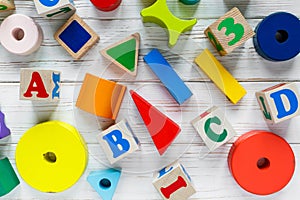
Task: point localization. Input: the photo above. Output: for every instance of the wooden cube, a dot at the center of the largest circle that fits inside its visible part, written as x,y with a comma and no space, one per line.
213,128
7,5
279,103
229,31
42,85
76,37
174,183
54,8
118,141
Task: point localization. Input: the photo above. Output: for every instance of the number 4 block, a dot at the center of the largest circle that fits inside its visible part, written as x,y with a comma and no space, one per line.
229,31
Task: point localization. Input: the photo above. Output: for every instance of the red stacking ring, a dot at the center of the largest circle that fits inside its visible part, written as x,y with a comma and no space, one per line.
106,5
261,162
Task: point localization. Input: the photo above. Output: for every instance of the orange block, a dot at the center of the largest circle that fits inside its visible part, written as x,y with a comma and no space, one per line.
100,97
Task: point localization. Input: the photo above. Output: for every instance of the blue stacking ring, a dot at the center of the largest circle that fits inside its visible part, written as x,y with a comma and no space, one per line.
189,2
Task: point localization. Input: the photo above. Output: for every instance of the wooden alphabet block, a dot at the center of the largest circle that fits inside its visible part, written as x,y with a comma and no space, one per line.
229,31
76,37
7,5
118,141
100,97
41,85
54,8
174,183
220,76
213,127
279,103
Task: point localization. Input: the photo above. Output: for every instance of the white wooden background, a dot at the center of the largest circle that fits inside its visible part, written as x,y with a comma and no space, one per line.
209,171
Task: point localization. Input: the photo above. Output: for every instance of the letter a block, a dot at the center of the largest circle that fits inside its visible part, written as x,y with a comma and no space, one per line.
118,141
229,32
174,183
54,8
41,85
213,128
279,103
7,5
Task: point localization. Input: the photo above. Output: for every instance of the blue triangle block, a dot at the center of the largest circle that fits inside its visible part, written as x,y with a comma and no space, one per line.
104,182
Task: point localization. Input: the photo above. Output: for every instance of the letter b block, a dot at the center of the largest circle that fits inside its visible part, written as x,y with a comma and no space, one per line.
279,103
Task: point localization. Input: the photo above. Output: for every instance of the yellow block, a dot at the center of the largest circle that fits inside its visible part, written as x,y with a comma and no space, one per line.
51,156
220,76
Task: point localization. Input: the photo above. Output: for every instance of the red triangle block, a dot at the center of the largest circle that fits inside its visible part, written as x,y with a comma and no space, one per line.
161,128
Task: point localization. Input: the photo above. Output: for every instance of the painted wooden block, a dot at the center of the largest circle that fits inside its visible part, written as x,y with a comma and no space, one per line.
118,141
174,183
161,128
100,97
7,5
124,53
41,85
104,182
106,5
213,127
76,37
8,178
279,103
229,31
167,75
4,131
54,8
220,76
160,14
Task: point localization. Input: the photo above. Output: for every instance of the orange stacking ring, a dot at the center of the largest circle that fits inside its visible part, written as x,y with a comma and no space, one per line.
261,162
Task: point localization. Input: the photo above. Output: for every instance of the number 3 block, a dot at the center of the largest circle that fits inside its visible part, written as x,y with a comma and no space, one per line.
229,31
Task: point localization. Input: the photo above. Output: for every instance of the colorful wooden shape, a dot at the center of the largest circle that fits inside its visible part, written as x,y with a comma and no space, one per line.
277,37
189,2
8,178
124,53
261,162
104,182
160,14
42,85
280,102
118,141
76,37
7,5
106,5
54,8
100,97
4,131
167,75
161,128
221,32
213,127
174,183
220,76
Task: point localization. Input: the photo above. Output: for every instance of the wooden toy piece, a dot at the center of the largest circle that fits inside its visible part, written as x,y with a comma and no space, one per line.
106,5
124,53
229,31
8,178
164,71
279,103
261,162
277,37
54,8
41,85
76,37
104,182
4,131
161,128
174,183
220,76
118,141
160,14
7,5
189,2
213,127
100,97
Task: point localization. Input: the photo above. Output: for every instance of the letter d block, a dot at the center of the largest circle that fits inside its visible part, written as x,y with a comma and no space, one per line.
41,85
118,141
279,103
213,128
173,182
54,8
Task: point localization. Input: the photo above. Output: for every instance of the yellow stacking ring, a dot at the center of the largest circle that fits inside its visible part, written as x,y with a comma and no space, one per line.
51,156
